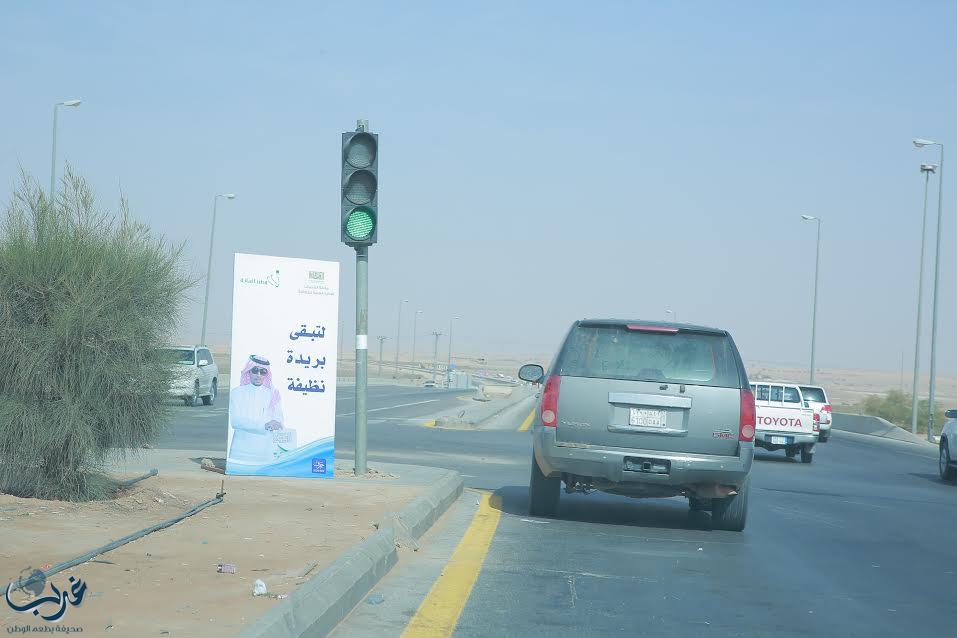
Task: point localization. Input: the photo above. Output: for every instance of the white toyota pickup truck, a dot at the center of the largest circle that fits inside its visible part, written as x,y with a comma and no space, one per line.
783,421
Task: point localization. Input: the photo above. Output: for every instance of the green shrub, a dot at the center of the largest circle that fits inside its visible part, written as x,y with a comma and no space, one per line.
86,298
896,407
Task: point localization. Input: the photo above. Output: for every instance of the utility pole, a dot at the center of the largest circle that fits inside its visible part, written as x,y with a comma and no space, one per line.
381,340
435,353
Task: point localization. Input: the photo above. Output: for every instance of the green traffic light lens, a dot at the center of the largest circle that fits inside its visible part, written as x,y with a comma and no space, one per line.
360,224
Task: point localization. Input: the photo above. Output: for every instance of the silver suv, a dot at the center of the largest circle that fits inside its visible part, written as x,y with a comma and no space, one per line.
195,375
645,409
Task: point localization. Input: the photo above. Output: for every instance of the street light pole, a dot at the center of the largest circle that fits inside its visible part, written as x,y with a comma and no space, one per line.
673,313
448,370
435,353
926,169
209,264
381,340
398,335
415,320
817,269
73,103
920,143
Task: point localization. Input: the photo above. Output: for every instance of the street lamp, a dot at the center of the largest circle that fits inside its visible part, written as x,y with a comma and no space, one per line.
926,169
921,143
673,314
449,368
209,263
381,341
53,160
415,319
817,268
398,327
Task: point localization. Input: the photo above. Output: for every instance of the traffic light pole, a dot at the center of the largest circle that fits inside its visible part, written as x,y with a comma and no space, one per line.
362,355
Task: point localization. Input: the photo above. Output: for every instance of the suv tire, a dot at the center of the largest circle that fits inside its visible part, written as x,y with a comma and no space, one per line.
193,399
806,454
731,513
543,492
210,399
947,471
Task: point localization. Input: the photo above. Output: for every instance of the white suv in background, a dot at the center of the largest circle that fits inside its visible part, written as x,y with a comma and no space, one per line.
816,398
195,375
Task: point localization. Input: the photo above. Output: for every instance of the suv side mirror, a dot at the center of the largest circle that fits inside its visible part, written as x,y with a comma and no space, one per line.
951,414
531,372
203,362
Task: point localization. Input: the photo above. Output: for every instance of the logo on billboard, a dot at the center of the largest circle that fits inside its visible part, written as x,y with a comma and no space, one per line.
315,284
272,279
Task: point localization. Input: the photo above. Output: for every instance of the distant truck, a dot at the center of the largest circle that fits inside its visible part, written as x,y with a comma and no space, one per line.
784,421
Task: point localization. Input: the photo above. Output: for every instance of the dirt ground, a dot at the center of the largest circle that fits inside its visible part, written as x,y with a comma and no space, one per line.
281,531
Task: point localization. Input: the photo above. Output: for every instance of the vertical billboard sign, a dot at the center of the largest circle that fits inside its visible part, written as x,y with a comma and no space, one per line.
282,381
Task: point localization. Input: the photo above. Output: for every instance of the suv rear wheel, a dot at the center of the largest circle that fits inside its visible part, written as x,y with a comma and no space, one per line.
947,471
806,454
731,513
543,492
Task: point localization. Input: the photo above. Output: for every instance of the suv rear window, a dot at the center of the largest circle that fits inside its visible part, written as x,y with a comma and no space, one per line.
614,352
813,394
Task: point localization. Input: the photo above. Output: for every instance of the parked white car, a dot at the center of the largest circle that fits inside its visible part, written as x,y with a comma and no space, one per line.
815,397
783,421
195,375
948,447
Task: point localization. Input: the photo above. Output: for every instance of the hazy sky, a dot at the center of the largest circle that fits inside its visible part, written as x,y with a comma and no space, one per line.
539,162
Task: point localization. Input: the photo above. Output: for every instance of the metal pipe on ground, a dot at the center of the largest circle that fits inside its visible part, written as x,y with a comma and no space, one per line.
73,562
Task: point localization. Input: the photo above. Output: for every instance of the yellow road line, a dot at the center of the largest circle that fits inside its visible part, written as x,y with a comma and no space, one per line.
439,612
528,421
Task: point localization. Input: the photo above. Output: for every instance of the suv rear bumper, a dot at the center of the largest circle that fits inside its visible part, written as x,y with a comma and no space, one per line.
608,464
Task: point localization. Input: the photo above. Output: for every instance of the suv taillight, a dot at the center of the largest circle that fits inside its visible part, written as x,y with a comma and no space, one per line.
550,401
746,427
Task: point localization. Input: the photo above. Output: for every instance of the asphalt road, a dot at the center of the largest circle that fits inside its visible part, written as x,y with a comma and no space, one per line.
863,542
204,427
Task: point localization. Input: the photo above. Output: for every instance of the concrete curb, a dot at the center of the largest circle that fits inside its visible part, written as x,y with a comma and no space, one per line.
874,426
316,607
921,448
475,416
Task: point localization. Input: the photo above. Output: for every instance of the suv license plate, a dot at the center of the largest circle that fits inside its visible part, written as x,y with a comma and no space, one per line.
780,440
647,418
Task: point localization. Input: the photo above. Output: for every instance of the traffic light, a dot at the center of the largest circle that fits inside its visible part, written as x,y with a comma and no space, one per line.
360,187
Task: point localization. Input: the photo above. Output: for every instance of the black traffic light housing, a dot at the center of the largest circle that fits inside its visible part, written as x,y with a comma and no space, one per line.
360,187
